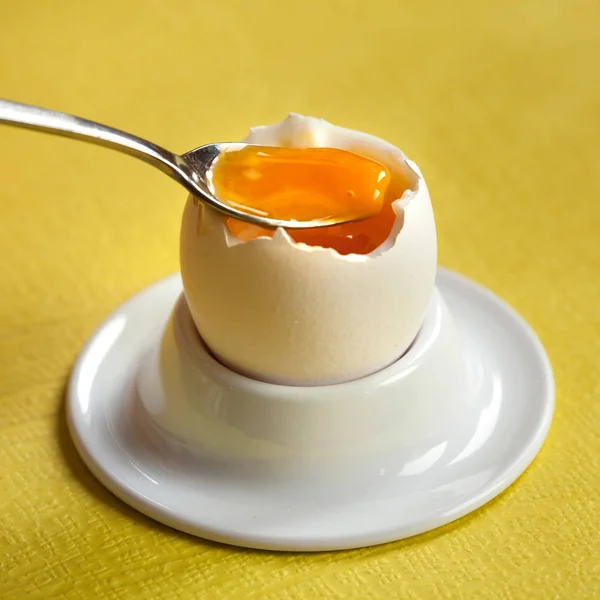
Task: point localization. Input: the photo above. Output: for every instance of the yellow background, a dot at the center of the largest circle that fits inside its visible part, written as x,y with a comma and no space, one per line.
499,104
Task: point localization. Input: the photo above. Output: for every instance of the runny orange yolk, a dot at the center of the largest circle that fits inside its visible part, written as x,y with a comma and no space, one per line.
309,184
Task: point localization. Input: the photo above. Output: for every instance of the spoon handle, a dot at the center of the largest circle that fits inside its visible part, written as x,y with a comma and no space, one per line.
57,123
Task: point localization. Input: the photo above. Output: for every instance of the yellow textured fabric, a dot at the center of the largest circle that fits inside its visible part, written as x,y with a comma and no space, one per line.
499,104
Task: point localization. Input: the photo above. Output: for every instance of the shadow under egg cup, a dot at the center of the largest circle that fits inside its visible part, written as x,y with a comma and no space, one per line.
215,412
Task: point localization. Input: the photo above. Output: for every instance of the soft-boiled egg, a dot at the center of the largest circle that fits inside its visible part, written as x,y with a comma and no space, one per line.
318,306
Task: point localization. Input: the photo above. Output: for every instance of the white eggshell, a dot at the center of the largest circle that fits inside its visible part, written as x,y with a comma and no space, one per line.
294,314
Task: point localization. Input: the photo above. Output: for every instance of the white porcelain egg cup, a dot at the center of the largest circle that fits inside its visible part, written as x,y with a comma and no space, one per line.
434,436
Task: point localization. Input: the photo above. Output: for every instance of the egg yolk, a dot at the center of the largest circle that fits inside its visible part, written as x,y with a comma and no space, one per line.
309,184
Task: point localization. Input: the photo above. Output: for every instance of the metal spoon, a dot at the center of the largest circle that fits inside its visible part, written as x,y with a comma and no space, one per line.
189,169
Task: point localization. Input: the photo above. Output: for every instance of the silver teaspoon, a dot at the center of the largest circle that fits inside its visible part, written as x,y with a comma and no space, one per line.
189,169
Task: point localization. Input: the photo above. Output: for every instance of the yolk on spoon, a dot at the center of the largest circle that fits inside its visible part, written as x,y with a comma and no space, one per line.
301,183
309,184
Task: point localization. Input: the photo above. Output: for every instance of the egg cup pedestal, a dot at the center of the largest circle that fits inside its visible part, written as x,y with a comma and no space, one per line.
220,414
196,446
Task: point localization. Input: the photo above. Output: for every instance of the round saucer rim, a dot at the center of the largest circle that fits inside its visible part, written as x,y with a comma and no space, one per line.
509,473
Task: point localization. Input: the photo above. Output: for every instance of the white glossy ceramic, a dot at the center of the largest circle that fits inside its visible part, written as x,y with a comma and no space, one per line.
254,484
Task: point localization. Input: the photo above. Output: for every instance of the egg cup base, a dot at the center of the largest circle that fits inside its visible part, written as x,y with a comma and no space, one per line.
419,444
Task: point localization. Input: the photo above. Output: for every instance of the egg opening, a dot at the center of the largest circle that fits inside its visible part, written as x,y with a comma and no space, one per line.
365,237
311,183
